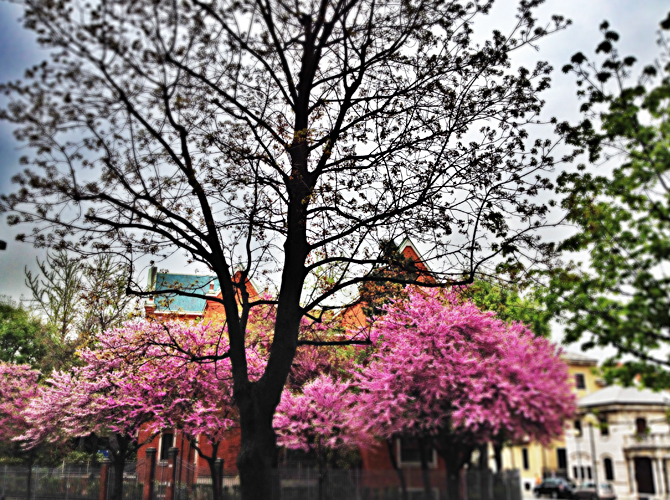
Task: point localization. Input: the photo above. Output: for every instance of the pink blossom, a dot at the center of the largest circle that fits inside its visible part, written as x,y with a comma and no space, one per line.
318,418
18,386
444,365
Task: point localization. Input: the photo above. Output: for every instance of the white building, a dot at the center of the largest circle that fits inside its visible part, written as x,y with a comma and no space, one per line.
627,431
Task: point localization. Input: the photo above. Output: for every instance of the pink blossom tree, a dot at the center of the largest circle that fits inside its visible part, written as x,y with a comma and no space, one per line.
161,377
86,402
318,420
18,386
140,375
449,374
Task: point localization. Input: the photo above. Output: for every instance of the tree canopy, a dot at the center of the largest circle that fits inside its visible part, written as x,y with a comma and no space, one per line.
619,296
510,304
24,339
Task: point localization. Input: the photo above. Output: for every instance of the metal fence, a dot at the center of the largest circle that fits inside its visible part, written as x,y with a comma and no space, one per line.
83,483
62,483
385,485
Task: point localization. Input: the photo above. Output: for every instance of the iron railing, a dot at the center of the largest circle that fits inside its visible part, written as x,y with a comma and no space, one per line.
83,483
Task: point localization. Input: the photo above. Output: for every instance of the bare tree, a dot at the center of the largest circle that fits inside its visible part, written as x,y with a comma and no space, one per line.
286,140
56,292
78,299
104,301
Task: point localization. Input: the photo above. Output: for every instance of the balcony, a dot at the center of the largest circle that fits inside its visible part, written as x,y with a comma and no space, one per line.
646,441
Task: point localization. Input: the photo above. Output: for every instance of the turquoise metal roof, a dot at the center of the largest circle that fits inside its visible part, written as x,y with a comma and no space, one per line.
186,282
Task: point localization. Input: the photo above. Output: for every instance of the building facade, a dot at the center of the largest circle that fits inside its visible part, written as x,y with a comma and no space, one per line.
621,437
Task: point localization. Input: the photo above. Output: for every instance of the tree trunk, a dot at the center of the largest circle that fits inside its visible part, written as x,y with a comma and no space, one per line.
119,465
29,485
217,480
454,456
257,401
497,452
215,472
425,473
484,472
398,470
322,476
118,449
256,456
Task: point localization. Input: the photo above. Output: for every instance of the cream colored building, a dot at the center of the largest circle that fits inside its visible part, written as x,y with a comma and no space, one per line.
536,461
627,442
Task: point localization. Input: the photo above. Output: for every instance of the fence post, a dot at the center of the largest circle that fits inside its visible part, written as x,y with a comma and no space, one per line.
104,479
150,475
172,473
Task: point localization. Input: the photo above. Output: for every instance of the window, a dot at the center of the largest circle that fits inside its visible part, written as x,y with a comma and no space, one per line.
410,453
609,469
641,426
580,381
582,473
562,458
604,427
578,428
167,440
575,473
526,462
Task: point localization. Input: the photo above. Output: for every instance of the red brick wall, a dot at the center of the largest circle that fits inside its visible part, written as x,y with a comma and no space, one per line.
214,310
228,450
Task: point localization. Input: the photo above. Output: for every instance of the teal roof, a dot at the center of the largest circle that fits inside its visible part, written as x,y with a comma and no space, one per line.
192,283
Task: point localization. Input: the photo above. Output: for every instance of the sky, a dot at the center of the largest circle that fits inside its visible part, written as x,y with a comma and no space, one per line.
635,20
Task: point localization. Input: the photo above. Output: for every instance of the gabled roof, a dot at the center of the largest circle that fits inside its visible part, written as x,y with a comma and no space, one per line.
194,283
617,395
408,250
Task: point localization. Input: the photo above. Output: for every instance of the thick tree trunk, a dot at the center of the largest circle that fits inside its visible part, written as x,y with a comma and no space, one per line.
119,465
257,456
398,470
258,400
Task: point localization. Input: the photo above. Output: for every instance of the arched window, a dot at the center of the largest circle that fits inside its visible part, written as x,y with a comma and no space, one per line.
641,426
609,469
